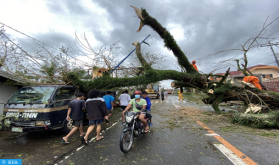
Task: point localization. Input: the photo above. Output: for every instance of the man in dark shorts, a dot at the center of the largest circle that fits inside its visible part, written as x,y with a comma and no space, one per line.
76,106
162,96
97,112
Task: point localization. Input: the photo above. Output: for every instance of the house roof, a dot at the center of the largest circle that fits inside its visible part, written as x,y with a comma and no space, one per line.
13,77
233,73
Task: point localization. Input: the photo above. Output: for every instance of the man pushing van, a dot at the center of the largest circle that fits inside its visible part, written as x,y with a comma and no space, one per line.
76,106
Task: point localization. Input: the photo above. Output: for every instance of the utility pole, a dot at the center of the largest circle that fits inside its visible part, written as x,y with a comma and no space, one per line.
273,53
270,44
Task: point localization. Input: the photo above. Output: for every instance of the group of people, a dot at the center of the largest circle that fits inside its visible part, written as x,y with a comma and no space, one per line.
99,109
162,95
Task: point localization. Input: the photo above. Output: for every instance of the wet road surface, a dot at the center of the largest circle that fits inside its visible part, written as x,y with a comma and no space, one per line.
172,140
163,145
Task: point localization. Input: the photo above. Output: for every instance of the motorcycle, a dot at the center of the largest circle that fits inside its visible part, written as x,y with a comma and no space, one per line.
134,128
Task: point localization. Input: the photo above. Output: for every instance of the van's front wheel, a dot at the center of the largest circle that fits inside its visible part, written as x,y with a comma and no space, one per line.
68,126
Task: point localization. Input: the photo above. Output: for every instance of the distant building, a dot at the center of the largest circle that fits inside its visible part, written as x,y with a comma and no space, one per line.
268,76
265,73
9,84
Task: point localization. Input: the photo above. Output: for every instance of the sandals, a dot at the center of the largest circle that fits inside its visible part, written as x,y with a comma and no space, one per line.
83,141
107,121
65,142
146,130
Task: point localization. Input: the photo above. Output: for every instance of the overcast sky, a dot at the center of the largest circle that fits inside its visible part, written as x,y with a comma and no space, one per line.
200,27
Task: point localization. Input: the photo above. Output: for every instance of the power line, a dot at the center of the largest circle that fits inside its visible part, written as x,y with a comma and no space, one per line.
82,62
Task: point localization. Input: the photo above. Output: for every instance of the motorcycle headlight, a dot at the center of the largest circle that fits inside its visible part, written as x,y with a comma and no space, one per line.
40,123
129,119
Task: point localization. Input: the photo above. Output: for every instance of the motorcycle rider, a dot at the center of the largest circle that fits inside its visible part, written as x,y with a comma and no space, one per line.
137,104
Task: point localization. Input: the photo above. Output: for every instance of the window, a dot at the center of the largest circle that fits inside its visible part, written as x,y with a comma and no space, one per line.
32,95
63,96
271,76
263,75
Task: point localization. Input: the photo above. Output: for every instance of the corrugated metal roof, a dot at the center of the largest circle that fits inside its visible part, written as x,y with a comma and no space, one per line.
13,77
251,69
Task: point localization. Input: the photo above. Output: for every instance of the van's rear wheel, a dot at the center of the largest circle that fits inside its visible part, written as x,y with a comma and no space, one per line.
68,126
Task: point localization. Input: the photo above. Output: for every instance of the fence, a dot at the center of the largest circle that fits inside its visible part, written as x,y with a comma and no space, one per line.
272,85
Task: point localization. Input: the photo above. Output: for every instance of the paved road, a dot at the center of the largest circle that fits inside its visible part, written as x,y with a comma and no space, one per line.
173,140
163,145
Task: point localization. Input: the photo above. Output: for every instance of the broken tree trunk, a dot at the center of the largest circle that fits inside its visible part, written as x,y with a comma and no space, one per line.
222,91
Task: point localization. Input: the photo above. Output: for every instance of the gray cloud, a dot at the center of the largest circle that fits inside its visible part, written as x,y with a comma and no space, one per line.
66,7
207,27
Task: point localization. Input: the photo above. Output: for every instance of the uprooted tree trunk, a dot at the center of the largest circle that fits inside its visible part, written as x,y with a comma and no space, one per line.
220,91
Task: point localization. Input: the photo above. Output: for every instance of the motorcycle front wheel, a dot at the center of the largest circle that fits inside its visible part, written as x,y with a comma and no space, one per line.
126,141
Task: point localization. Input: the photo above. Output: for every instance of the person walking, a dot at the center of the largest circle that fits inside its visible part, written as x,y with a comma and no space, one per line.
97,112
166,94
162,96
124,99
180,95
158,95
109,103
76,106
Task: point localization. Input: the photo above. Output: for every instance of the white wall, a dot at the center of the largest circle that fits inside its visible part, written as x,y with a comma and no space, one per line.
6,92
266,71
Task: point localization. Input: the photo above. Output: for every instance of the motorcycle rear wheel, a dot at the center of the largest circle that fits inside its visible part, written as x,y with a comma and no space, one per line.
126,141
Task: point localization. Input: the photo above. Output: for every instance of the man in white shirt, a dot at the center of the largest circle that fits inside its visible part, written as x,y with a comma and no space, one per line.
124,100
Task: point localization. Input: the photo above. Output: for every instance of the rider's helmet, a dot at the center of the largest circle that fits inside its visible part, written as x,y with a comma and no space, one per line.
137,92
194,61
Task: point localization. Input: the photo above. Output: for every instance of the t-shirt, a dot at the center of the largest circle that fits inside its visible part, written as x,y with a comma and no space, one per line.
148,101
76,109
108,99
96,108
166,93
142,102
124,98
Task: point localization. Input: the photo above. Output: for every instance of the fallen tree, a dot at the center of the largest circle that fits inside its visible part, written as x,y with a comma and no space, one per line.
268,120
220,91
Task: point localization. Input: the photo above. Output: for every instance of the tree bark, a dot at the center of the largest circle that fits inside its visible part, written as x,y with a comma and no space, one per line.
223,91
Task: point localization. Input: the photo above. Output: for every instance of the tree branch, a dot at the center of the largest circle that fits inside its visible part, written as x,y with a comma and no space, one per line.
169,41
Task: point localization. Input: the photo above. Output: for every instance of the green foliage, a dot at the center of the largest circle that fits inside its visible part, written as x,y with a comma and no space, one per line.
170,43
3,125
150,76
95,67
80,72
269,120
49,71
223,89
269,134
